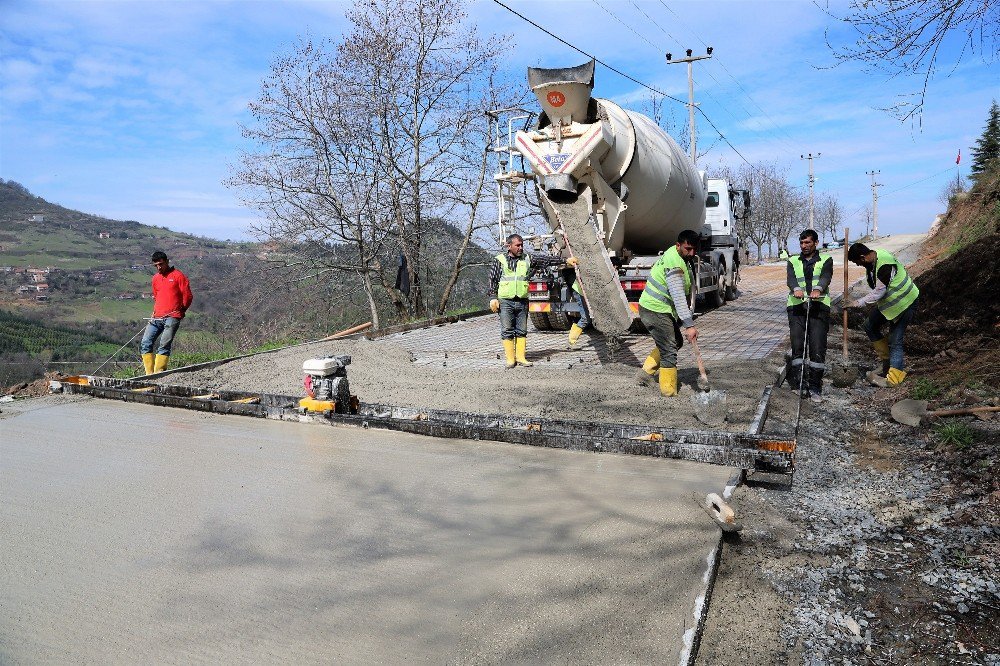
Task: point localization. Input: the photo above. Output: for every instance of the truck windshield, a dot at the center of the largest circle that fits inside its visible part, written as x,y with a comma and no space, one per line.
713,200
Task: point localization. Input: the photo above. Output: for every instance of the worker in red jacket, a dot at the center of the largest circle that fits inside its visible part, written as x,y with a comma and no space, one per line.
171,299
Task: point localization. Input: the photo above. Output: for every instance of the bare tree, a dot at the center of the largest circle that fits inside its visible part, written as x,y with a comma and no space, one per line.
418,65
905,37
361,147
831,215
951,188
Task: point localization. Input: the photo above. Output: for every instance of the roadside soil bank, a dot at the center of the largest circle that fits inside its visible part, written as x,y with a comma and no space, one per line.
383,372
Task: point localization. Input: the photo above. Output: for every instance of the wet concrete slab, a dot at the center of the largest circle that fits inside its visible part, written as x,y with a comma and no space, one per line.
134,534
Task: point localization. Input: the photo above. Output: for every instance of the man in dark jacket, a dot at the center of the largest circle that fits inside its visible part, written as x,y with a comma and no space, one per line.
809,277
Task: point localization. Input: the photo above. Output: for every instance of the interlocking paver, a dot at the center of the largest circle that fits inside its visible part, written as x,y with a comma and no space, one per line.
749,328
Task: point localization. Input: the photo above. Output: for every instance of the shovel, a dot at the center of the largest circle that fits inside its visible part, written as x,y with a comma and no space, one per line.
709,405
843,373
911,412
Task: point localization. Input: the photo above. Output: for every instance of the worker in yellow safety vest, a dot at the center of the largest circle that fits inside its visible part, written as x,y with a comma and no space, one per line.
664,311
809,276
895,296
509,275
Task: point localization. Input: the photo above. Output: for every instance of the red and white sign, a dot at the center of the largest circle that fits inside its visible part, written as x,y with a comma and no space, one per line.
556,98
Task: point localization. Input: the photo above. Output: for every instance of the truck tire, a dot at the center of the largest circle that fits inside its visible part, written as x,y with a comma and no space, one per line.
731,292
540,321
717,298
559,321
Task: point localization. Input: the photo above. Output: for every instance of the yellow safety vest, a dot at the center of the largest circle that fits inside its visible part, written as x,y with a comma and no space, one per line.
513,283
800,279
901,292
656,296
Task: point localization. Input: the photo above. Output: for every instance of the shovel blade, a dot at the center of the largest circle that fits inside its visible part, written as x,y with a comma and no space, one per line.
710,408
909,412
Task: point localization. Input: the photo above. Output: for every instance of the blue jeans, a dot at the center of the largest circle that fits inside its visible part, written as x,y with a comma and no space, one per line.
513,319
873,327
584,315
165,329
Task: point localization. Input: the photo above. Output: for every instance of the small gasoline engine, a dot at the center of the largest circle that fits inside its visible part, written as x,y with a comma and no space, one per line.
326,385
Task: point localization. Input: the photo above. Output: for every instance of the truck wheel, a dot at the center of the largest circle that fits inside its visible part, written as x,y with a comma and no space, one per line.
717,298
559,321
731,290
540,321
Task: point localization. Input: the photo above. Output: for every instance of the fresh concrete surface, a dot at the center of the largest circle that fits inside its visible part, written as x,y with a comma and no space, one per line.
140,534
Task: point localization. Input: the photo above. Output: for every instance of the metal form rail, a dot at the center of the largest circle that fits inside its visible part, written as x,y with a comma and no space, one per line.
752,451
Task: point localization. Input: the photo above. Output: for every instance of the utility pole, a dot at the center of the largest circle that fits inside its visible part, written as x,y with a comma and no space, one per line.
690,63
875,187
812,181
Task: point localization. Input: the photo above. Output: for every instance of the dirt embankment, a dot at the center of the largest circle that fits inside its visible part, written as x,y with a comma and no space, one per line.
957,330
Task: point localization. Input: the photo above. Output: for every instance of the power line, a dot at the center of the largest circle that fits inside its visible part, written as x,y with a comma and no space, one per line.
589,55
644,85
615,17
730,74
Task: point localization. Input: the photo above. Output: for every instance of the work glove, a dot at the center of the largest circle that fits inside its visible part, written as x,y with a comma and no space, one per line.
572,262
495,305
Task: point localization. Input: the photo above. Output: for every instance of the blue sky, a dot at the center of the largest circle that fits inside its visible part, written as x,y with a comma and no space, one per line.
131,110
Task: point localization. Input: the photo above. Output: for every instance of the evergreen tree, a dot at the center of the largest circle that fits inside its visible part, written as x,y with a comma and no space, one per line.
987,149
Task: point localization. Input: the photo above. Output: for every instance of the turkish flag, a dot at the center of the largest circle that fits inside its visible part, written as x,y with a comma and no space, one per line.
959,158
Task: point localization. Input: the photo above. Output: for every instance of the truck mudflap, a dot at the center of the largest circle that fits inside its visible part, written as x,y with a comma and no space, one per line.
746,451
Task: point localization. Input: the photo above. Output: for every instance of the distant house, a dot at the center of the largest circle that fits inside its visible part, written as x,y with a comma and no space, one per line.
24,289
104,234
42,297
36,217
126,296
41,287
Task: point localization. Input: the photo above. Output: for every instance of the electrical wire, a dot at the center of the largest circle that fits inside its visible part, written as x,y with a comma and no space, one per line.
644,85
591,56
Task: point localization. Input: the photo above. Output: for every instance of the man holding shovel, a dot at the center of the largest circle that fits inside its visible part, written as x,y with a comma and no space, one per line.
809,277
663,309
895,297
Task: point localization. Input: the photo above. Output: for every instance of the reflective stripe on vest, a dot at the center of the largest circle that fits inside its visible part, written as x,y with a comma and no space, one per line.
800,279
513,283
656,296
901,292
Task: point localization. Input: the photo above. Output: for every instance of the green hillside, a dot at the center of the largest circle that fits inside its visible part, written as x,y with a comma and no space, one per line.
73,271
38,233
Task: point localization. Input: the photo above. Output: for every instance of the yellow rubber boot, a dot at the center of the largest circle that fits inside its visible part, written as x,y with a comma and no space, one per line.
520,348
647,372
147,363
160,363
574,335
895,377
508,350
882,348
668,382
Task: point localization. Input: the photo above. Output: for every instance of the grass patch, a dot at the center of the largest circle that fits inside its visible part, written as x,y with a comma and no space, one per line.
955,434
924,389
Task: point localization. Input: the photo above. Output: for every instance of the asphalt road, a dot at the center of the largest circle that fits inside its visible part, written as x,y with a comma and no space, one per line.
133,533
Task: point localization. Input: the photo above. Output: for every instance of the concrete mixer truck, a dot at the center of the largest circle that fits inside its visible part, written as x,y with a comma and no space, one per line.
615,190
